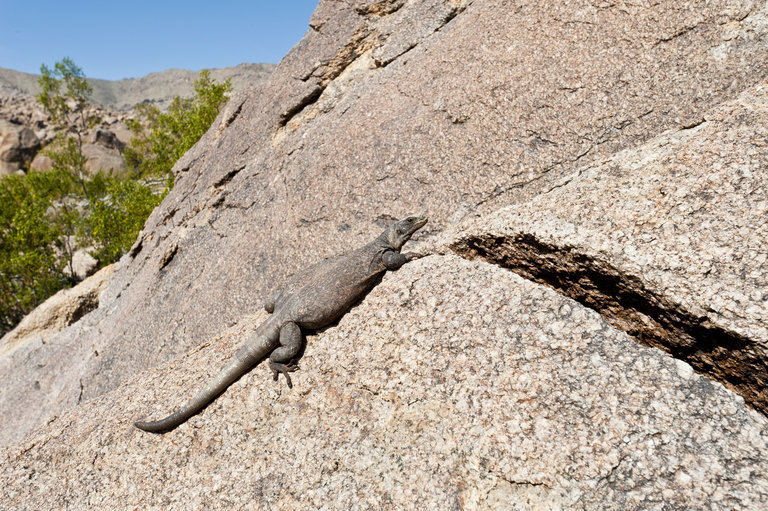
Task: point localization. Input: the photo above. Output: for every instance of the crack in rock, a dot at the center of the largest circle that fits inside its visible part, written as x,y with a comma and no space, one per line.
231,113
168,256
380,8
226,178
357,54
624,302
364,39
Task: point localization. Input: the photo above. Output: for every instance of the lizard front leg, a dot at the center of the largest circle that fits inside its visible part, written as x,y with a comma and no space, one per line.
281,358
393,260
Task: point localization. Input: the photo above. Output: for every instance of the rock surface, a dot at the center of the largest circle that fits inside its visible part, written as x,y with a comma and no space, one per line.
83,264
668,240
107,139
56,313
379,112
453,385
18,145
102,158
36,333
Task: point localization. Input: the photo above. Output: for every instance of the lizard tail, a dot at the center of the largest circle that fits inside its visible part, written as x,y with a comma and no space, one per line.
243,360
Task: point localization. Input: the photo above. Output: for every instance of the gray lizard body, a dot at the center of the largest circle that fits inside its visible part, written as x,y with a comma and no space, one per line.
314,298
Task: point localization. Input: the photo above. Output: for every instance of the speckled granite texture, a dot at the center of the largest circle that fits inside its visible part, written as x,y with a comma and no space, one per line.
453,385
668,240
382,109
612,154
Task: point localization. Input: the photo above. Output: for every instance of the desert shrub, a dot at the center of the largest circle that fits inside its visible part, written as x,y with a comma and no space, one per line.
161,138
45,216
64,93
32,239
117,215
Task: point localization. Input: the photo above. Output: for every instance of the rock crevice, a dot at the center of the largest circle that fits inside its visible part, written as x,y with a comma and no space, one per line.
666,241
485,392
625,303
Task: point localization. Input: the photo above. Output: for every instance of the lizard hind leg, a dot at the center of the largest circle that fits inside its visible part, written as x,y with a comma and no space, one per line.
281,360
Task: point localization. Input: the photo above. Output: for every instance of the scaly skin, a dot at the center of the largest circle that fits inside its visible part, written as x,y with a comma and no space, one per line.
314,298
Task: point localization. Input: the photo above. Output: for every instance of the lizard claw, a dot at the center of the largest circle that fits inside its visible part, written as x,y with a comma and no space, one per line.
412,256
278,368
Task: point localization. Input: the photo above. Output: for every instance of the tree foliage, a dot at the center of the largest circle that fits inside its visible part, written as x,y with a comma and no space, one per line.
45,216
31,241
64,93
161,138
118,215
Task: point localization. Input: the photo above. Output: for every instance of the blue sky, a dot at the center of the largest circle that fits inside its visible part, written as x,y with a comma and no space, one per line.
131,38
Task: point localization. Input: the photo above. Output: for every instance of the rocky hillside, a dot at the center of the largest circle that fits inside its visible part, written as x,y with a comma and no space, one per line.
587,333
25,127
159,88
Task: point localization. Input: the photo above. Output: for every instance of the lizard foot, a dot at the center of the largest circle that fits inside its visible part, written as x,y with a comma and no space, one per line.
278,368
412,256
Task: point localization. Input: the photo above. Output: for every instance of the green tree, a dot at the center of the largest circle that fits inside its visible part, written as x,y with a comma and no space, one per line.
118,215
161,138
64,93
31,243
44,215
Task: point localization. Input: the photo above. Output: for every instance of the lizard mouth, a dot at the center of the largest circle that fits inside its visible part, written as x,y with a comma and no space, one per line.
416,223
399,233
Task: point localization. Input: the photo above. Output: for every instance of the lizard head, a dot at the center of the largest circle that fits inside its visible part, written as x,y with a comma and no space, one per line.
402,230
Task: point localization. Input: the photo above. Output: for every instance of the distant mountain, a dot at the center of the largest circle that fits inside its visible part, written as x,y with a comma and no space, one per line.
159,88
